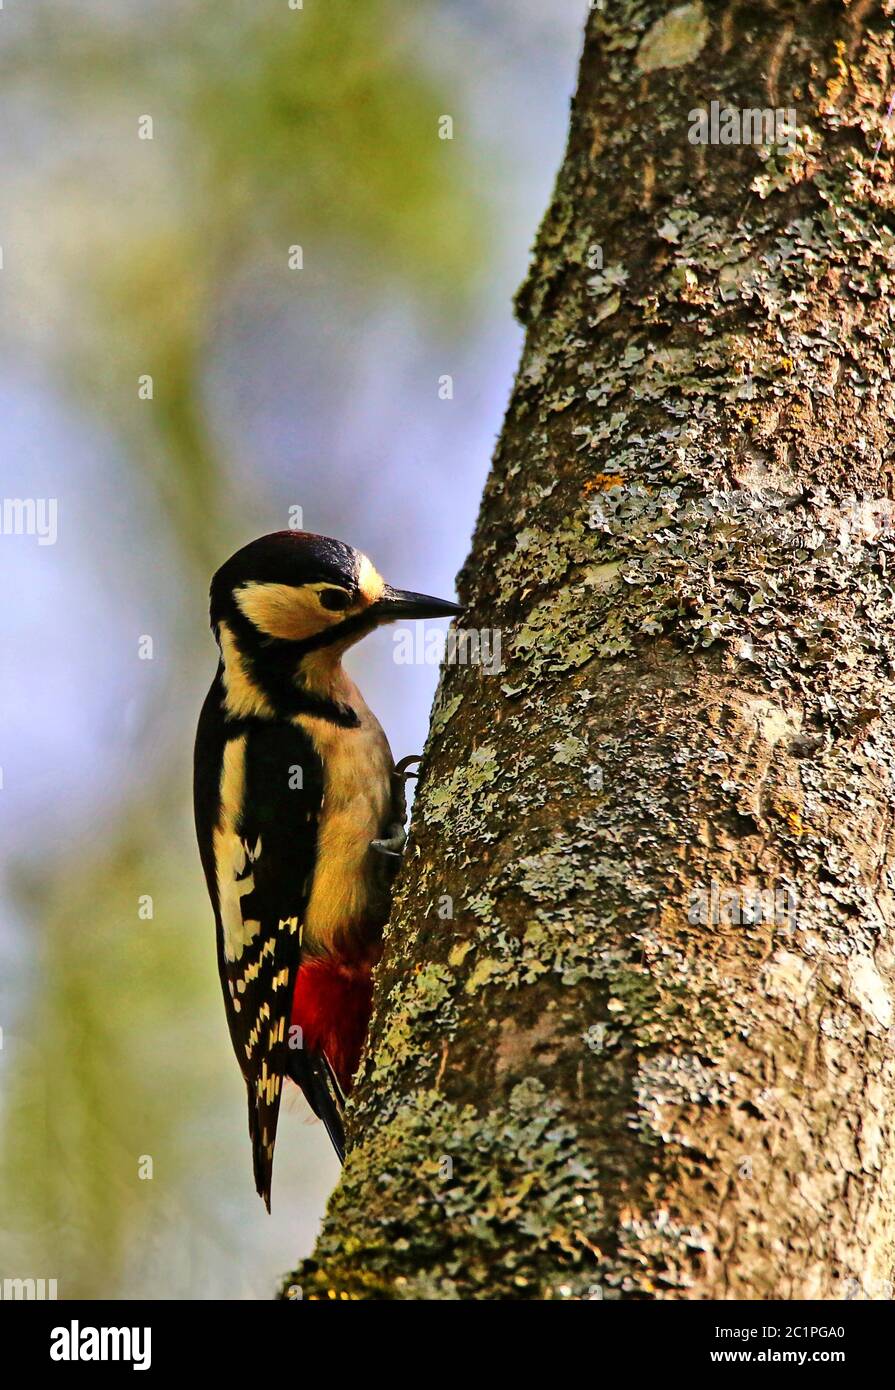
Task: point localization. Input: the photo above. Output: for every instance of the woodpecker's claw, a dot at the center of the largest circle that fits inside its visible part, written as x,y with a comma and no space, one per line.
395,843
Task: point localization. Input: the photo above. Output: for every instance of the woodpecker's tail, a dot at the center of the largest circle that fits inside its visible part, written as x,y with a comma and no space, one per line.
313,1073
262,1153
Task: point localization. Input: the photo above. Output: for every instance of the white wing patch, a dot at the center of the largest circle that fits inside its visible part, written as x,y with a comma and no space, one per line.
234,883
231,856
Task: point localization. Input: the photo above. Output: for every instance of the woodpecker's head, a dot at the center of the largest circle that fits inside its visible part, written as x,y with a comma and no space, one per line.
300,596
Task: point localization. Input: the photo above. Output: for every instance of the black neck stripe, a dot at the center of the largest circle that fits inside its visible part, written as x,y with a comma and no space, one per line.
274,666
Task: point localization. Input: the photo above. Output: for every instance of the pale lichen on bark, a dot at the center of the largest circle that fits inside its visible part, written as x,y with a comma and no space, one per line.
574,1086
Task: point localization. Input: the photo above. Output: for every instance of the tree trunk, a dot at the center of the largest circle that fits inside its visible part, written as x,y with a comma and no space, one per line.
650,1053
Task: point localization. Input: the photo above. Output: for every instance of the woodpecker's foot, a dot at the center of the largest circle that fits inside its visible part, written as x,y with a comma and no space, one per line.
394,844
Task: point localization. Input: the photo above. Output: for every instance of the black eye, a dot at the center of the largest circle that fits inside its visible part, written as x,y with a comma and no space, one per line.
334,599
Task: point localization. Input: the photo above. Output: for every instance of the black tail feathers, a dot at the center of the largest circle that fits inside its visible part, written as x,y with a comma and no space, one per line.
313,1073
325,1096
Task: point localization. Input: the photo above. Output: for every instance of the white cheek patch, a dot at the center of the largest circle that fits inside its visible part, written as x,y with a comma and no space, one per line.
280,610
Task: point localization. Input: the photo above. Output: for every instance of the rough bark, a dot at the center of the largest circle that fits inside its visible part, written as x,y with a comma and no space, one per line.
583,1085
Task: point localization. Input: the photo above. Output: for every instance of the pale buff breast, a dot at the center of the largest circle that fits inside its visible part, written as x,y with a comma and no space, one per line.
357,791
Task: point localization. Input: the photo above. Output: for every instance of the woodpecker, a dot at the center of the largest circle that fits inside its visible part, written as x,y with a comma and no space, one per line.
300,815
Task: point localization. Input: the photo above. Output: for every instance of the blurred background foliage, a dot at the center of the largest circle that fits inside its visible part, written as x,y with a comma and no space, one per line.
272,388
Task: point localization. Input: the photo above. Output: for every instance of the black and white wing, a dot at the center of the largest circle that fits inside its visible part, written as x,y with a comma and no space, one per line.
261,822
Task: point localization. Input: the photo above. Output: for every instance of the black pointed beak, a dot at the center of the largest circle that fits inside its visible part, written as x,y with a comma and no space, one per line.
403,603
